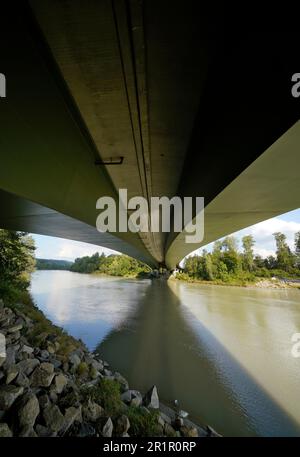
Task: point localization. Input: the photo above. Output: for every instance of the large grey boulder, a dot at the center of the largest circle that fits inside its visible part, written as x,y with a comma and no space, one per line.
122,381
22,380
28,431
92,411
72,414
97,365
107,428
60,383
126,396
122,425
44,354
189,431
27,349
151,399
54,419
28,411
27,366
132,397
74,360
165,418
10,357
169,430
57,363
5,431
44,432
8,395
42,375
12,373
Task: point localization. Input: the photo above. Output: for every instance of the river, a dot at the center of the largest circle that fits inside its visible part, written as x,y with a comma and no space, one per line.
223,352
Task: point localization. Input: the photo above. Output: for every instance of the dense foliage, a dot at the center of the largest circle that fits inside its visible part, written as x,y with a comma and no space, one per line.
115,265
226,264
52,264
16,261
86,264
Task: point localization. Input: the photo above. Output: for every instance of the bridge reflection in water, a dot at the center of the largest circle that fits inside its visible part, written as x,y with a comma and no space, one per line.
159,345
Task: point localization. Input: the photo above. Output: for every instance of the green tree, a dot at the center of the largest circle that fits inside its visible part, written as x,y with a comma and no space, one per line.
270,262
86,264
208,267
115,265
16,260
248,256
285,258
217,249
222,271
191,266
52,264
231,256
258,262
297,249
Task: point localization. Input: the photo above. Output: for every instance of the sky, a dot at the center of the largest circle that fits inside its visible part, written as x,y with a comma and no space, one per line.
288,223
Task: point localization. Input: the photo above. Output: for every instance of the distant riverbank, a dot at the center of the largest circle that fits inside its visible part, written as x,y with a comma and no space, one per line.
260,283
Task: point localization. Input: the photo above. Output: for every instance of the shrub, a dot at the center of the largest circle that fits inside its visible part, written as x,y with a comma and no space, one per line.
182,276
107,394
82,369
142,423
16,262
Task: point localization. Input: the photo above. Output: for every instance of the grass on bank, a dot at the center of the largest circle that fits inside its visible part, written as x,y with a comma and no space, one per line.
107,394
230,280
142,422
242,279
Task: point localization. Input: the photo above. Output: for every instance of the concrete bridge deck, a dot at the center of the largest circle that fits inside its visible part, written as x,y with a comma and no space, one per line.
195,108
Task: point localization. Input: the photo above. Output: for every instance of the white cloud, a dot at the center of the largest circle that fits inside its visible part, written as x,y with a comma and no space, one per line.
72,249
58,248
263,235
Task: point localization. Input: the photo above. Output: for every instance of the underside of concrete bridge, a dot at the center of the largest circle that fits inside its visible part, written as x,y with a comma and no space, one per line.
188,105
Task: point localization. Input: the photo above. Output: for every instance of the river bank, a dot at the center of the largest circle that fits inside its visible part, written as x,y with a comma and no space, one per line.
51,385
238,281
259,283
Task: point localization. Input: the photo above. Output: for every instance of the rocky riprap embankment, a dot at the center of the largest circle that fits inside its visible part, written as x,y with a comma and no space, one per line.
46,393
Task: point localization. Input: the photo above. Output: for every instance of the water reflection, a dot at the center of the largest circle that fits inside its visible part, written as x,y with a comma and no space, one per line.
255,326
172,349
87,306
218,350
